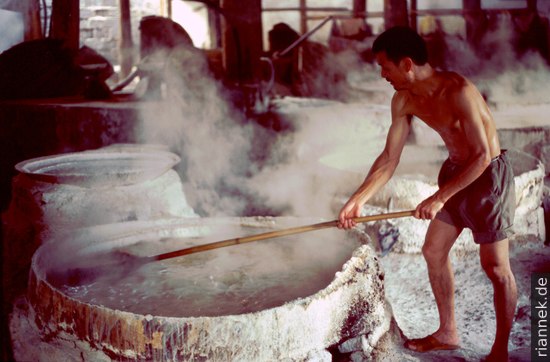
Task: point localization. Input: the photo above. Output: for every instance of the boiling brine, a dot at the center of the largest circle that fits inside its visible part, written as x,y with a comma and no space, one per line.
233,280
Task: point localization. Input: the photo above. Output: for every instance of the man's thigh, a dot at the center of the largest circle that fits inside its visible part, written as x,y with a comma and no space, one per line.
495,254
440,236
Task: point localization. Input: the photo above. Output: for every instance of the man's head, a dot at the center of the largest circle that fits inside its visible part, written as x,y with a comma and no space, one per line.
401,42
400,52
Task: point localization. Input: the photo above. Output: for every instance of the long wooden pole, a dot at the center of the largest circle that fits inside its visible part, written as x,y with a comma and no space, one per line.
128,262
273,234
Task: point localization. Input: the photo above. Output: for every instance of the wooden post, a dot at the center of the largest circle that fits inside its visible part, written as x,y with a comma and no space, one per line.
32,21
166,8
360,9
303,16
475,21
65,22
242,39
413,15
214,24
126,46
169,9
395,13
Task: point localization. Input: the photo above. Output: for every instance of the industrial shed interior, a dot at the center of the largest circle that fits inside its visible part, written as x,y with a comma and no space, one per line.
131,129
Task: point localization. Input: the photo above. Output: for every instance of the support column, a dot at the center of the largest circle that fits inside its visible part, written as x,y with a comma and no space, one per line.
395,13
242,39
214,24
360,8
126,46
32,21
303,16
65,22
413,15
475,21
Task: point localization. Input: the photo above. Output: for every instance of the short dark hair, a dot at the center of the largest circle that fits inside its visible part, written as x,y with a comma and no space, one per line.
399,42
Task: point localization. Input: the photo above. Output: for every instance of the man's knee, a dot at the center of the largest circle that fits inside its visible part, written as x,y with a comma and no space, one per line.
433,254
495,262
498,273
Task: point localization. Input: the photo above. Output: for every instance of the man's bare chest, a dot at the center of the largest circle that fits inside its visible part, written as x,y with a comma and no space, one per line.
434,114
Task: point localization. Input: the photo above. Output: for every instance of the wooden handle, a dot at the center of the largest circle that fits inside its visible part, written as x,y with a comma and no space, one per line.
274,234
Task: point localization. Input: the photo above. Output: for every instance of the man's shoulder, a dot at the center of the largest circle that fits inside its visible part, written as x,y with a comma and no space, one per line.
456,85
454,81
401,98
403,105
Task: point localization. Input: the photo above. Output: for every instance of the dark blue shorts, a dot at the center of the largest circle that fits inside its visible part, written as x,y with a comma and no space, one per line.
486,206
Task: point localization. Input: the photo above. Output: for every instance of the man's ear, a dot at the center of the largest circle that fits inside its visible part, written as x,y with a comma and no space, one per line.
406,63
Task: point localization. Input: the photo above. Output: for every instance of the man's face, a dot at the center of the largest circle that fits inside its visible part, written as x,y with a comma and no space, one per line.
396,75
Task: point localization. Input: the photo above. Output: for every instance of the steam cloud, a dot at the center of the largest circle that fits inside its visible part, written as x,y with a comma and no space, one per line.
195,121
236,167
504,76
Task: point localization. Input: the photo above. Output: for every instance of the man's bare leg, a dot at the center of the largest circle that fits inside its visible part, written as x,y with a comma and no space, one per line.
439,240
495,261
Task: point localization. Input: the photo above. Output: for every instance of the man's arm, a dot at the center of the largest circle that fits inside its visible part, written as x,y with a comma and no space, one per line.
384,165
465,104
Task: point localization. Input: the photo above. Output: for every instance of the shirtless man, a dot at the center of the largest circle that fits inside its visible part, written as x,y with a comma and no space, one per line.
476,187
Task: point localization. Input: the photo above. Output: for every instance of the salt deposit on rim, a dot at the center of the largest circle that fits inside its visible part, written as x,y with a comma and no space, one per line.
352,303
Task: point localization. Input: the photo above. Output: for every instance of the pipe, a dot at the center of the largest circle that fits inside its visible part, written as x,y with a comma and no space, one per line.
302,38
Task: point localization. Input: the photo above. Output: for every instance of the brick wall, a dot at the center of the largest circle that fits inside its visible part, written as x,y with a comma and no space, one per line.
100,27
